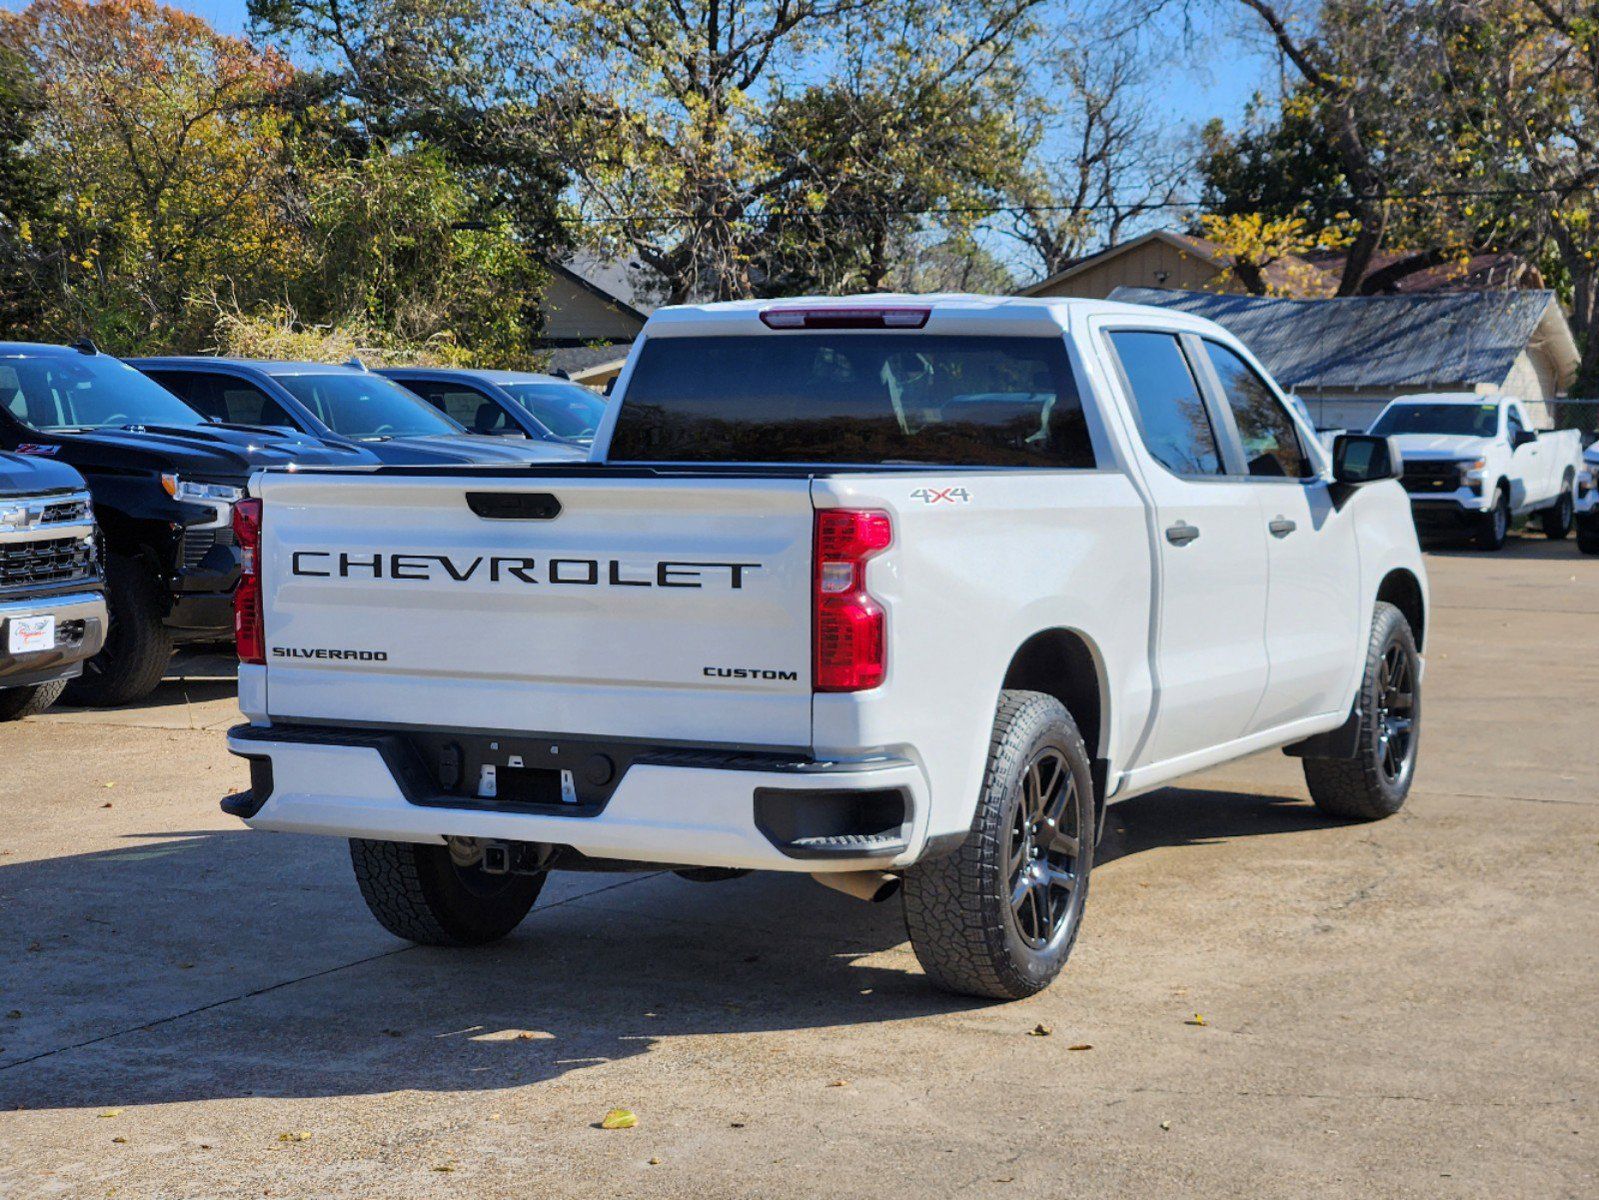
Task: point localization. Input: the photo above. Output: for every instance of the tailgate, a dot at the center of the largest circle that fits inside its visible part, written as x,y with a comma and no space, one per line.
633,607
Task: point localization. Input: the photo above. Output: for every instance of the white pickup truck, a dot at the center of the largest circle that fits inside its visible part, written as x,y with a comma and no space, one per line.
888,590
1476,463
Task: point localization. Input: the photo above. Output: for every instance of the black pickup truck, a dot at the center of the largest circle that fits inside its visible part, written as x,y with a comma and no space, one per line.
164,481
52,608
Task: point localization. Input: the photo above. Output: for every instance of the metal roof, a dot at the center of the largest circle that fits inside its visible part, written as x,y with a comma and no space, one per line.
1424,340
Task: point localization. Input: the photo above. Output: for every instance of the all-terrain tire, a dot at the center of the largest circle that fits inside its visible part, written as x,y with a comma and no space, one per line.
29,701
1493,527
1364,788
1558,518
958,907
138,647
418,893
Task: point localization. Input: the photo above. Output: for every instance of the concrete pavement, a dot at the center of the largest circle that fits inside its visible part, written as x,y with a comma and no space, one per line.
1397,1009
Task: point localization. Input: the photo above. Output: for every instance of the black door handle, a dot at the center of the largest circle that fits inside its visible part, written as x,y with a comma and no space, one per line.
1181,533
1281,527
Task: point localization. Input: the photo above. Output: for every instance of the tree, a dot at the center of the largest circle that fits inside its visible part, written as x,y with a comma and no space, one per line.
1096,159
159,136
688,133
27,200
447,74
1350,62
1521,78
390,249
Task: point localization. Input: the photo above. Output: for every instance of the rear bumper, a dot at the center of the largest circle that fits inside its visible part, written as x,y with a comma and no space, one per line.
80,632
669,805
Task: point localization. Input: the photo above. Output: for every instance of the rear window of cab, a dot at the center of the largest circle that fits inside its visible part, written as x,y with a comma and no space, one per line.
854,398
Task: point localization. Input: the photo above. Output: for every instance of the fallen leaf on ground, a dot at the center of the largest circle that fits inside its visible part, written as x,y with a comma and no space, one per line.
107,804
655,1162
1196,1019
298,1135
736,1124
1082,1046
120,1141
1040,1030
839,1083
619,1118
444,1167
1165,1124
112,1112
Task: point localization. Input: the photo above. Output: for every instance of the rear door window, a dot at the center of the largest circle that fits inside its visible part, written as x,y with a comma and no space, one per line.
843,397
227,398
1167,404
1272,448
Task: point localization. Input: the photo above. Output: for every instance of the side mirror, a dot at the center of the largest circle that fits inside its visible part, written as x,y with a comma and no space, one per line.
1361,458
1524,437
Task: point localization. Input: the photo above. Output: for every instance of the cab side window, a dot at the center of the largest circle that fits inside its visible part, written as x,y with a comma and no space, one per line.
1167,403
466,405
1513,426
1272,448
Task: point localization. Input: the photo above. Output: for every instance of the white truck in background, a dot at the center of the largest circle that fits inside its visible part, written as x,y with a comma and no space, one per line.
1475,463
890,590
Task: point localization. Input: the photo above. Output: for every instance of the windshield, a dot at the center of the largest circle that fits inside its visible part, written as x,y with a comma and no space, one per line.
854,398
359,405
1469,420
56,393
568,410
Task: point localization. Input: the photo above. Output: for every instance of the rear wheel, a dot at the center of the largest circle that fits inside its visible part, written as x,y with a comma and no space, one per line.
1557,519
1374,783
138,647
1494,525
423,894
29,701
998,917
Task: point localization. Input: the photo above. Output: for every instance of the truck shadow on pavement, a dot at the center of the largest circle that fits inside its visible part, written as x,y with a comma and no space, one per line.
207,965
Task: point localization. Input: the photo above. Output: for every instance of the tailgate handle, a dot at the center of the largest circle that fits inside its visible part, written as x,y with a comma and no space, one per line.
514,506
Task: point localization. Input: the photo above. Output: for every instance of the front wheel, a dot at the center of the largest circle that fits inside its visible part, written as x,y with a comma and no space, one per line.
29,701
1588,536
138,647
423,894
1494,525
997,918
1374,783
1557,519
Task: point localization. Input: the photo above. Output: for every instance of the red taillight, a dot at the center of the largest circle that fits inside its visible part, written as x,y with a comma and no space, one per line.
845,316
849,646
248,629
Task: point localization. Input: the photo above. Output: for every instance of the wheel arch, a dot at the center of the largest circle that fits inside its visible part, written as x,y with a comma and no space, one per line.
1401,588
1065,664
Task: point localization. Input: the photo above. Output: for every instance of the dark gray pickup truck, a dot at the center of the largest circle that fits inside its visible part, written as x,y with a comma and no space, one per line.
52,601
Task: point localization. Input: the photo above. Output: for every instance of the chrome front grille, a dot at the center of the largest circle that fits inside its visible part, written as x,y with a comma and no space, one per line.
28,565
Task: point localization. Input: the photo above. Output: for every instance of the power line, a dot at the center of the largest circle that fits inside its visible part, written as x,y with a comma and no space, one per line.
1129,206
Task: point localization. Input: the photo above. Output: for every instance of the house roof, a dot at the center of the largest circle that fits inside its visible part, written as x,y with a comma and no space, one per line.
1419,340
622,282
1203,249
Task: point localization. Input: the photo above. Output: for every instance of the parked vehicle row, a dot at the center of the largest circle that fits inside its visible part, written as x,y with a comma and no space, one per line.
900,594
1475,463
167,450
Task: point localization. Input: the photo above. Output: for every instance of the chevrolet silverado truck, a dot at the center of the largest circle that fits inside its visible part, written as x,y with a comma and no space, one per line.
1475,463
896,591
52,608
